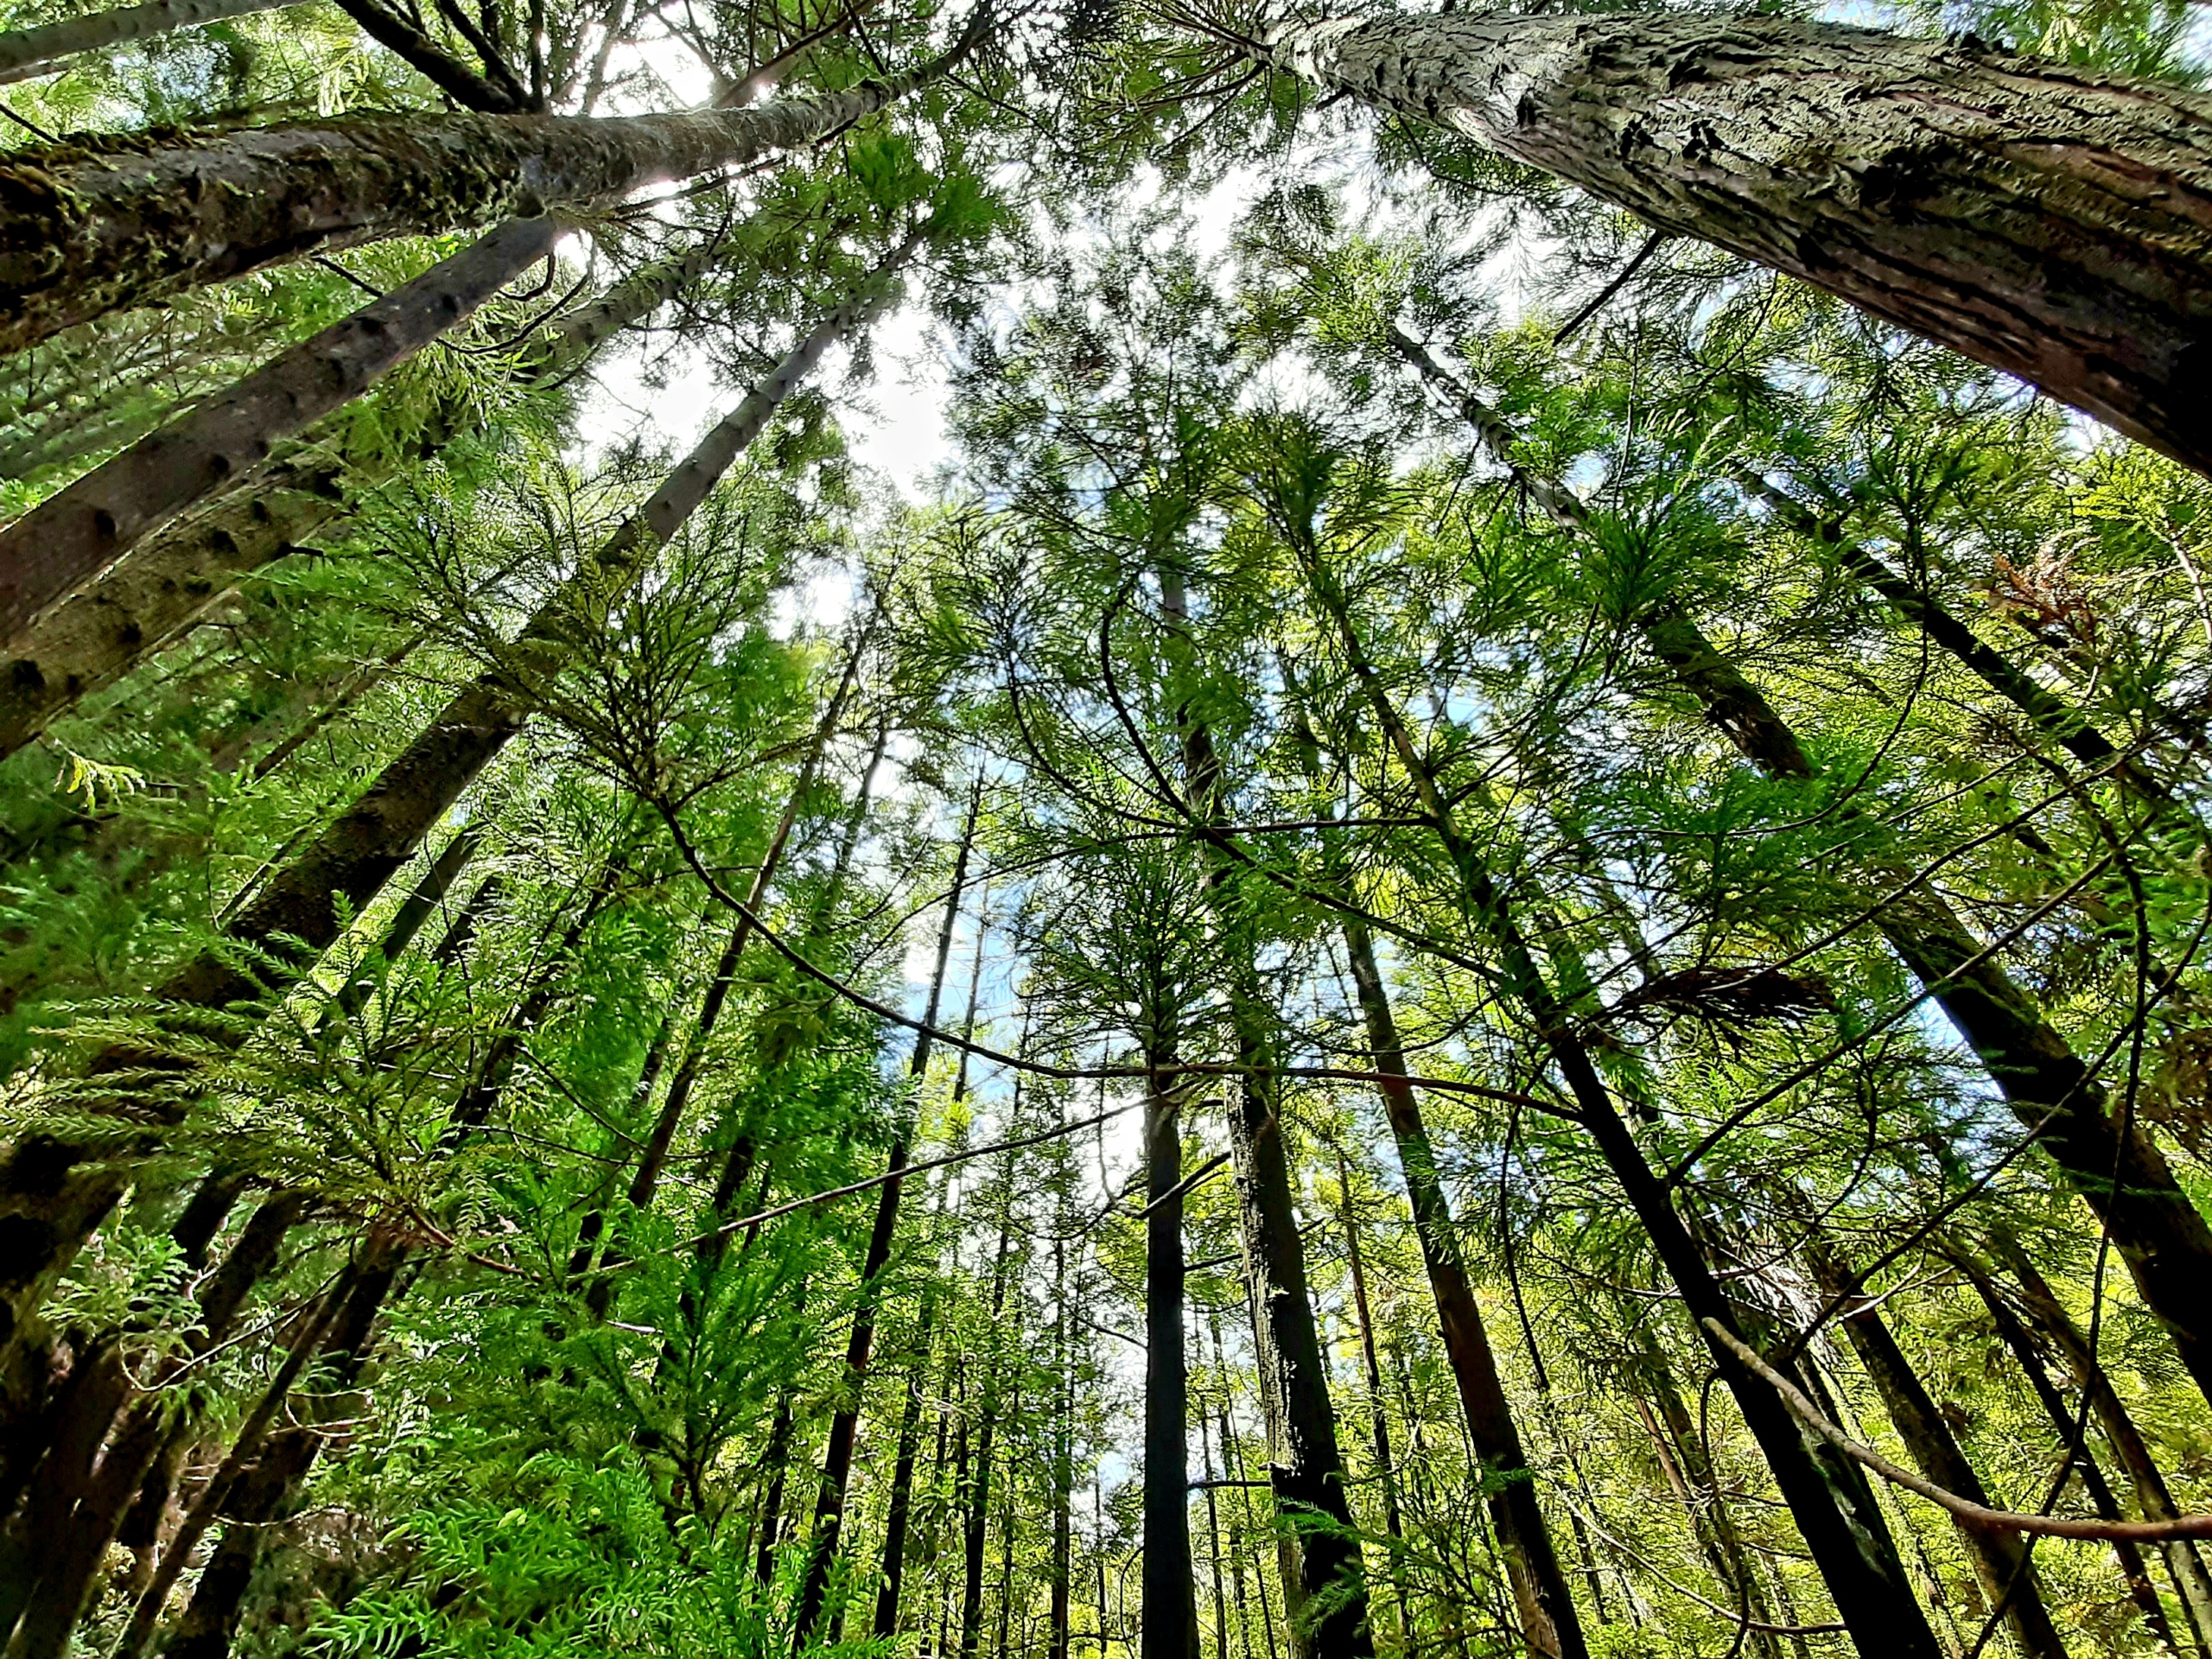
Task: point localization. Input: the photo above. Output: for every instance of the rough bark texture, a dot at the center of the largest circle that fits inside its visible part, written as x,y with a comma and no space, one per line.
70,537
25,53
2051,222
1549,1624
102,224
99,631
1170,1619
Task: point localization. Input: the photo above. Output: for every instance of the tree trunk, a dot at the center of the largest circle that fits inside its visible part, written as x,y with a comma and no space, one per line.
101,226
50,1202
2115,1167
1385,1471
2051,222
71,537
1826,1496
54,1559
837,1457
2001,1560
1325,1580
1170,1623
26,53
1061,1613
898,1510
977,1519
99,631
1549,1624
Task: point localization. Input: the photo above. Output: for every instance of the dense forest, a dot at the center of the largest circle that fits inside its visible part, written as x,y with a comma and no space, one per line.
1489,933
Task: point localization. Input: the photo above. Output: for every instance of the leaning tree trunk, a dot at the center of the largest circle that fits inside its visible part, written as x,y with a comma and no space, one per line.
98,225
25,53
844,1425
1826,1494
1549,1624
51,1195
2047,220
2110,1163
2001,1560
1169,1623
73,535
92,633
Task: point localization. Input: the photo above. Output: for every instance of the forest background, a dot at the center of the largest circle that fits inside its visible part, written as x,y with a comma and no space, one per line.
1485,935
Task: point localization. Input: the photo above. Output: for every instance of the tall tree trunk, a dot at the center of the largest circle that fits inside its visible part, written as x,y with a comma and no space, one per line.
98,631
976,1520
2049,222
1325,1580
2110,1161
1385,1471
26,53
91,229
1170,1627
1827,1495
73,535
898,1510
51,1199
1060,1613
1549,1624
2001,1560
2016,1337
844,1425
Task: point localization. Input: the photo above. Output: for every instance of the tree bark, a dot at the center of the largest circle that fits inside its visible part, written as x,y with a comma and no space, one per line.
2051,222
99,225
837,1457
52,1196
98,630
2001,1560
26,53
1385,1470
1170,1620
71,537
2114,1166
1549,1624
1324,1583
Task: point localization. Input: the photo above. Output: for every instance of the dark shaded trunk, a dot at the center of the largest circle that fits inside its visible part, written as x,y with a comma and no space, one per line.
1060,1614
80,1508
1385,1472
589,1230
25,53
1170,1622
1550,1623
2001,1560
264,1491
2051,222
1827,1495
898,1509
1325,1580
837,1457
777,1455
73,535
2015,1336
976,1521
50,1201
2113,1166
